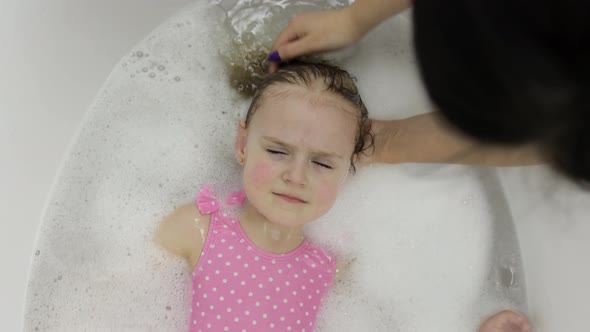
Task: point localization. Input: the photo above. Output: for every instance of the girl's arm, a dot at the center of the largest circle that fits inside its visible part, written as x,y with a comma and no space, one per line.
183,233
426,138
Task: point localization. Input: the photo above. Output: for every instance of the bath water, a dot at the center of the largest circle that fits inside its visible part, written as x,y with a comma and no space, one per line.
418,239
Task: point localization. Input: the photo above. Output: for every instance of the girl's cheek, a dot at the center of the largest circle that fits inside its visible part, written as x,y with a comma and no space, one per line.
261,173
327,191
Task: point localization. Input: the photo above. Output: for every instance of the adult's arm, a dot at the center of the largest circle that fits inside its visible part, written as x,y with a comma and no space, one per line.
427,138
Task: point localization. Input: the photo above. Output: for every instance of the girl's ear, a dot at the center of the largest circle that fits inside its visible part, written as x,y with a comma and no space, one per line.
241,139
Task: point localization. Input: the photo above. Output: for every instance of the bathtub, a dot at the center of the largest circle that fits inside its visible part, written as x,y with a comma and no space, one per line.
57,53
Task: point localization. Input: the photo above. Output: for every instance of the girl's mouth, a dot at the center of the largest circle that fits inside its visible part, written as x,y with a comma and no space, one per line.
291,199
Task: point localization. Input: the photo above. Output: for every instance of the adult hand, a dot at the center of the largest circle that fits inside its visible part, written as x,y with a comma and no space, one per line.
315,32
332,29
506,321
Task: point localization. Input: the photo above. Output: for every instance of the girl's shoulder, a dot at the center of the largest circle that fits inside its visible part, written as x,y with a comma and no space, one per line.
183,232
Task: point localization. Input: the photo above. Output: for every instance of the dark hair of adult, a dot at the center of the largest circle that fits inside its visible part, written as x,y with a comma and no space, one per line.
511,72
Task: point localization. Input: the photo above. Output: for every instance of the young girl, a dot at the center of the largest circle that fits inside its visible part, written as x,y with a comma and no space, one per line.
253,271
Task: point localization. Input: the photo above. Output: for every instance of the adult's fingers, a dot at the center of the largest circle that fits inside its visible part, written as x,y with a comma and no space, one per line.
304,45
286,36
293,44
272,67
291,50
290,33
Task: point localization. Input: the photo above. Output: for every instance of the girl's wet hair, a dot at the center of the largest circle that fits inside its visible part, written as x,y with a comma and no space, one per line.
512,72
334,79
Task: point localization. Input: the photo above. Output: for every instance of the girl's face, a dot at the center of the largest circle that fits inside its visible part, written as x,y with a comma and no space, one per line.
297,152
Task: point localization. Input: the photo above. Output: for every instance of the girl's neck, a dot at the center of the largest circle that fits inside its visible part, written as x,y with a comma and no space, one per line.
268,236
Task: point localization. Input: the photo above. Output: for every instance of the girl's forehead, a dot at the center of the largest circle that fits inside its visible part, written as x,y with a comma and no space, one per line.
317,120
314,96
309,106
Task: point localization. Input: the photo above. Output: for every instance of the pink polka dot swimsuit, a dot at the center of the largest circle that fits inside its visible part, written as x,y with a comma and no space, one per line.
239,287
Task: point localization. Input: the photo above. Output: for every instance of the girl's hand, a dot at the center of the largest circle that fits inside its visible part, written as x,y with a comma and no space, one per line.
506,321
315,32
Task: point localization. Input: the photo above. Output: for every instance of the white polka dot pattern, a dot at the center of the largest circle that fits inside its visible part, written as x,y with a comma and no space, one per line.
239,287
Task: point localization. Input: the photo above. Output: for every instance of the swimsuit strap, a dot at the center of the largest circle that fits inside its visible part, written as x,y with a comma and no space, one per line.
208,203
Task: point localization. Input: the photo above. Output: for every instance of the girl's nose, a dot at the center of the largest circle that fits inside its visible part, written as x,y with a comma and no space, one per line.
296,173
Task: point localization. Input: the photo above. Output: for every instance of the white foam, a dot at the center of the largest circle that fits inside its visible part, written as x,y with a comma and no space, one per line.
420,245
419,237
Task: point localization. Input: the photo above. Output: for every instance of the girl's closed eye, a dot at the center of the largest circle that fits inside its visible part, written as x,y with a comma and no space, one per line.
271,151
278,152
323,165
